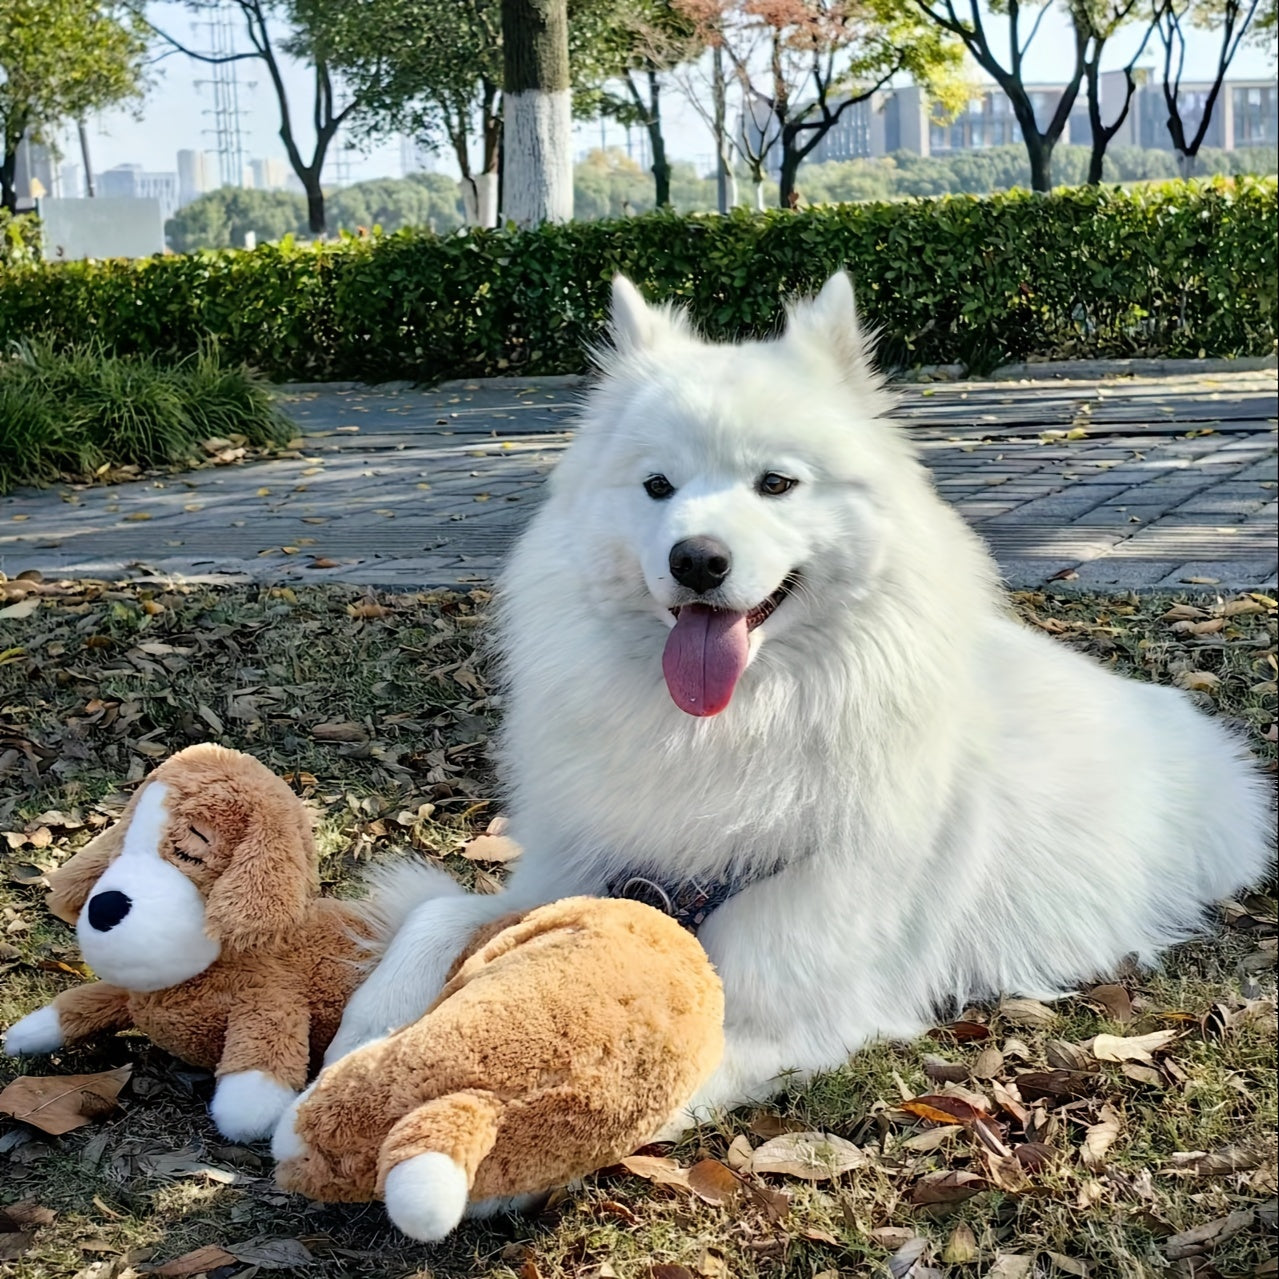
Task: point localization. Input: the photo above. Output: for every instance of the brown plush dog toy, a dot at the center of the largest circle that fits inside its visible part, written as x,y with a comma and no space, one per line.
563,1043
200,910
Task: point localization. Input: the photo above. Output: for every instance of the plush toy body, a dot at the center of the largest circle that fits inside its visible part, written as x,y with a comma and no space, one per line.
200,909
563,1042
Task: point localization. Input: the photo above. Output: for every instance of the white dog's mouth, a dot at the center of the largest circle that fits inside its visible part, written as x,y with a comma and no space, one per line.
708,649
762,611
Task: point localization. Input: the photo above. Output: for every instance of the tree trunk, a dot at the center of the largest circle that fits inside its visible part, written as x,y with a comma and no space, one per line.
90,189
537,178
1186,163
719,99
661,166
1041,165
8,174
759,194
790,168
1100,136
314,202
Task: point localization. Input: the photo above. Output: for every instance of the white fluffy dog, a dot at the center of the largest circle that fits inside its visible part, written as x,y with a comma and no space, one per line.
757,667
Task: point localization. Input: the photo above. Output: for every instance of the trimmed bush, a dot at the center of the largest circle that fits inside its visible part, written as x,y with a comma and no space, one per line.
1179,269
19,238
70,412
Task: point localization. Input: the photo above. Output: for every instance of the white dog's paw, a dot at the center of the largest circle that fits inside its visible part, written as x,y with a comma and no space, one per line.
247,1105
37,1032
426,1195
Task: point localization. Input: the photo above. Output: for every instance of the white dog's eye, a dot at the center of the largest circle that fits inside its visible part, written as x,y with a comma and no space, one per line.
658,487
774,485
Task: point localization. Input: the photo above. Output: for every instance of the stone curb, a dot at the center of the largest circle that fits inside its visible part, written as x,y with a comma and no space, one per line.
1035,371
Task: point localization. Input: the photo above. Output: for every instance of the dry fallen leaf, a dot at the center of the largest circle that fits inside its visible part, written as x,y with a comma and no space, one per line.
814,1156
1131,1047
491,848
59,1103
961,1247
340,731
1026,1012
655,1168
1114,1000
1100,1137
26,1214
946,1187
990,1061
1197,681
893,1236
1009,1265
1068,1265
1194,1242
1063,1055
202,1260
710,1180
272,1254
1217,1163
739,1152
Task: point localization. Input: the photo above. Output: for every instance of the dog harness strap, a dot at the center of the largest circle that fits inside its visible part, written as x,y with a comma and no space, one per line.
689,904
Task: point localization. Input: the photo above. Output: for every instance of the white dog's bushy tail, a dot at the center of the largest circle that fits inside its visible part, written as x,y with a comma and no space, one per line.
394,890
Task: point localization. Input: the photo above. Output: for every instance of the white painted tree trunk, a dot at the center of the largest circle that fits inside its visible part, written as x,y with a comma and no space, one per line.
479,199
538,148
759,195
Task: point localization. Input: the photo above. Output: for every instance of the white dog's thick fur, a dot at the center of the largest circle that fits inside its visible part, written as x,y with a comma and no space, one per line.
960,806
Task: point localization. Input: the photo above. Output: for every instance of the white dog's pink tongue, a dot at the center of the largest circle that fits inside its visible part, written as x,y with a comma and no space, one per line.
704,658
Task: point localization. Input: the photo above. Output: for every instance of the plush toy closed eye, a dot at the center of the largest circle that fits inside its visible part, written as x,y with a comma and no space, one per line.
200,911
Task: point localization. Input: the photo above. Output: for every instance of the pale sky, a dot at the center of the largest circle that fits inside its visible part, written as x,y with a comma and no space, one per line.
176,114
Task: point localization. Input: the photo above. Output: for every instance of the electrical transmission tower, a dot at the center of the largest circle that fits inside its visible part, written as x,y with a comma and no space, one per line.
226,110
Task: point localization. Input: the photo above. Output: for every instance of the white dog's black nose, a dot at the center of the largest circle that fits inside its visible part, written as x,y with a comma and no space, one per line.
700,563
107,909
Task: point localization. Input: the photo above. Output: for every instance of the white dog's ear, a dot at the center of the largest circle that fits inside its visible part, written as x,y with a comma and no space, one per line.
637,326
829,321
633,320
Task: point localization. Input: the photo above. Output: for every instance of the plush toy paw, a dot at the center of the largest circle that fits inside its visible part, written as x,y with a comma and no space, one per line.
37,1032
426,1195
247,1105
286,1142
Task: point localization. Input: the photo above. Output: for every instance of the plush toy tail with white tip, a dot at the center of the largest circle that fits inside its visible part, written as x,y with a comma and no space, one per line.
427,1163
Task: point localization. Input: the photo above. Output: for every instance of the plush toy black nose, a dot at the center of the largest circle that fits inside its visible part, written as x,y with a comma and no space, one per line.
107,909
700,563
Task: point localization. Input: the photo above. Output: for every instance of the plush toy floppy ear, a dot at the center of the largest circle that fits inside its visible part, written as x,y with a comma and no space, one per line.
73,881
264,892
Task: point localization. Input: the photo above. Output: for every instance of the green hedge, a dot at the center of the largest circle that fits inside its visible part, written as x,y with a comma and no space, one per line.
1180,269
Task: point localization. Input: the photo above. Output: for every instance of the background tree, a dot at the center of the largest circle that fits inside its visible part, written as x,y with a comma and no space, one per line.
537,113
1099,20
431,69
801,64
59,60
635,45
308,26
1231,18
971,28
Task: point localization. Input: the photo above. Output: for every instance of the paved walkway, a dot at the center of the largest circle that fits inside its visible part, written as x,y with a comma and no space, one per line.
1118,483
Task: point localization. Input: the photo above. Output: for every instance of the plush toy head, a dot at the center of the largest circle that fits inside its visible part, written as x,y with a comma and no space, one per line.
213,851
200,911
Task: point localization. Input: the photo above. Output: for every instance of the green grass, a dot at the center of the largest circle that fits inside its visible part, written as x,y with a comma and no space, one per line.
79,412
99,682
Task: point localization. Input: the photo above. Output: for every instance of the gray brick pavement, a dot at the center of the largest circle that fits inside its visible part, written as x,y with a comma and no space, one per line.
1176,478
